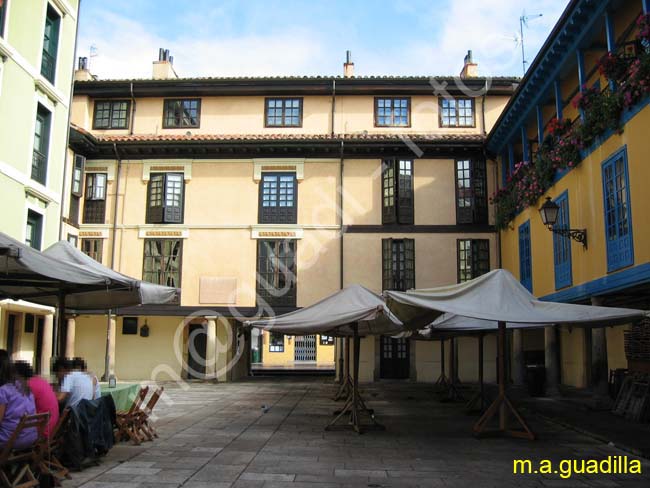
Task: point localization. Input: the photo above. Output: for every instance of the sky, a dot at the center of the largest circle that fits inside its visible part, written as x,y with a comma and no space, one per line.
310,37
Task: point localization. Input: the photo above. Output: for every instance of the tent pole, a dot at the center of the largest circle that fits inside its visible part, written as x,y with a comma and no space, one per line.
442,381
354,414
341,361
478,401
344,390
502,403
107,365
58,325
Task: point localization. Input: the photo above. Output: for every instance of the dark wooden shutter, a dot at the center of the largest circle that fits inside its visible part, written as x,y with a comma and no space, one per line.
464,191
387,262
480,257
479,190
409,264
388,192
155,209
405,192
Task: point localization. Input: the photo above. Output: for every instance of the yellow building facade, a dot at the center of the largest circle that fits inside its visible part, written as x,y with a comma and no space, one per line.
258,196
598,187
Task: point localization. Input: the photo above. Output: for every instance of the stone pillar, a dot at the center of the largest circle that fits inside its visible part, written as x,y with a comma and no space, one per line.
598,367
211,349
518,368
46,346
109,362
551,360
69,337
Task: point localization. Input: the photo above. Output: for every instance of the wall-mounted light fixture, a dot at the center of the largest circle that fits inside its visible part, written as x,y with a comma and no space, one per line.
549,213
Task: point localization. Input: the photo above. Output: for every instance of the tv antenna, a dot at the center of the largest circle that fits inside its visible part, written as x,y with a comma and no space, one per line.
93,53
523,22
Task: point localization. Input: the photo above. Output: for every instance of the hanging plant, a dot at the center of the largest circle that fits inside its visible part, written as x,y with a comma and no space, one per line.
601,111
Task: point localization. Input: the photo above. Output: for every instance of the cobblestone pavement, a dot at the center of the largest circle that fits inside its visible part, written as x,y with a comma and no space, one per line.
218,435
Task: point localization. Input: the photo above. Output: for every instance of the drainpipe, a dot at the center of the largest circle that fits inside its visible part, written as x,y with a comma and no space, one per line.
117,192
133,103
67,132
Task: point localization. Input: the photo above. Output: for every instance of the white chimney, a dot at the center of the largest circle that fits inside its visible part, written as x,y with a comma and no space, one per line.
163,69
348,66
470,68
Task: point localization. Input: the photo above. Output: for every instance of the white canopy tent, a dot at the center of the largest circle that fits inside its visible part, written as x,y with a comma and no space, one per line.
495,301
352,312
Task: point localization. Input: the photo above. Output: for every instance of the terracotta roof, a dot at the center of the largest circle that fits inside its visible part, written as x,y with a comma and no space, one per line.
285,137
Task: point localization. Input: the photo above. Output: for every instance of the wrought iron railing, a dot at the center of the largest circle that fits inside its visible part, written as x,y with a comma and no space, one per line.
39,167
48,66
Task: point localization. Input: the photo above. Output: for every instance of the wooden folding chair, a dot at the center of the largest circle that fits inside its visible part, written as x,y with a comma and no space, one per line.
50,465
144,425
127,421
16,464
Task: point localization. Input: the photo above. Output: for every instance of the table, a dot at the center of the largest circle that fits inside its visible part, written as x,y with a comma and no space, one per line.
123,394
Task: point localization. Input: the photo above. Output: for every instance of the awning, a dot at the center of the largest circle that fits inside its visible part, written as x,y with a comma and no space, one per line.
139,292
335,314
497,297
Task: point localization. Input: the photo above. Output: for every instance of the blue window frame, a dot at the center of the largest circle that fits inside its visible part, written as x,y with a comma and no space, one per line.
618,217
525,258
562,245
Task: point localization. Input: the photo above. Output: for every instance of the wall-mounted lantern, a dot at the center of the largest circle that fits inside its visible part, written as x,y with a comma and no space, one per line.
144,330
549,213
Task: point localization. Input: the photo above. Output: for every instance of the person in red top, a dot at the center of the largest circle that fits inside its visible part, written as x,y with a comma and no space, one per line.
44,395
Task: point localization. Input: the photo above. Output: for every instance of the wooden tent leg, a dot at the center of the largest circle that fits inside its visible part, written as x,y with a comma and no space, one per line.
355,406
442,382
502,404
346,386
479,401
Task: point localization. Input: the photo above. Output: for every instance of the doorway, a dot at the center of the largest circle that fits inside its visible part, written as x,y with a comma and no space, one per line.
197,343
305,348
40,324
12,319
395,358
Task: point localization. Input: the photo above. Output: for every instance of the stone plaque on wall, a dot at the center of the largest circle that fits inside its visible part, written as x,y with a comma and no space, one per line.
217,290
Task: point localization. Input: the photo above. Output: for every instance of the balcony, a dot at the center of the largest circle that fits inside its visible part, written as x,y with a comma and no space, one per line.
48,66
39,167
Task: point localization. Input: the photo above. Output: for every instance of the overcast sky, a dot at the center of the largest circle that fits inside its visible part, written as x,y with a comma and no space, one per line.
310,37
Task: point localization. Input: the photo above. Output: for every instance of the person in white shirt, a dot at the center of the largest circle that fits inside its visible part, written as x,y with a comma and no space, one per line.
78,364
75,385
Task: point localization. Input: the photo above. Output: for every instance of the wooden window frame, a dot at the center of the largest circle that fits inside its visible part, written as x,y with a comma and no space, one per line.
110,116
275,214
283,125
148,242
97,253
392,99
166,125
458,125
288,299
402,209
163,214
94,211
476,174
398,278
49,58
474,257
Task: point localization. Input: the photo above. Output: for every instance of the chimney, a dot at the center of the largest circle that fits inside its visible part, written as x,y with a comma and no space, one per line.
470,68
163,69
348,66
82,73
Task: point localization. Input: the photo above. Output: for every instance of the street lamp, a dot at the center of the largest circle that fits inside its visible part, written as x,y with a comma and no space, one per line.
549,212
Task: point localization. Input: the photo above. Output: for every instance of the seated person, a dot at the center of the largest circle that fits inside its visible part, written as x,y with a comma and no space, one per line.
44,396
78,364
15,401
75,385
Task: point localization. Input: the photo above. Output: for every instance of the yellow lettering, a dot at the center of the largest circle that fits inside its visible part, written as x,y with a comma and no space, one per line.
545,466
565,469
635,466
522,466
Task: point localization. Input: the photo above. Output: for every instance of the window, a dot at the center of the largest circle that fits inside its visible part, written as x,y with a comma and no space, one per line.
181,113
129,325
29,323
276,342
283,112
392,112
73,239
525,257
93,248
77,188
3,10
34,231
111,115
276,272
278,202
326,340
398,264
162,262
562,245
397,191
471,192
165,198
457,112
618,221
41,144
50,44
95,200
473,258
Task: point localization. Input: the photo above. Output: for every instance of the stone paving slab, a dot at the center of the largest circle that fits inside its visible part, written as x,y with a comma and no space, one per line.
218,436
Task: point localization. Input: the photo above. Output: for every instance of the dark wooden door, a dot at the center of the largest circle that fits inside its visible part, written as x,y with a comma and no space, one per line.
395,362
39,344
11,333
197,342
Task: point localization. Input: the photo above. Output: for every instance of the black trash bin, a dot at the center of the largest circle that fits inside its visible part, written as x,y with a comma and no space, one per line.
536,379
